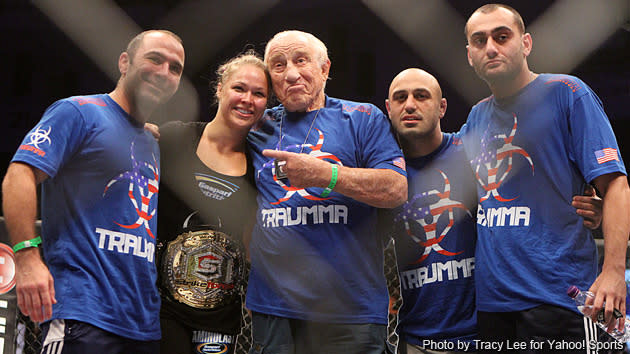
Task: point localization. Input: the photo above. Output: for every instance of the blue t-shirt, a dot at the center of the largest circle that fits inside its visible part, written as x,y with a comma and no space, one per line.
315,258
531,154
98,213
435,236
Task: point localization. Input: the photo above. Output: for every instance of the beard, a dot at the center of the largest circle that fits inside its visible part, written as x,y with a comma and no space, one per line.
505,74
426,130
145,100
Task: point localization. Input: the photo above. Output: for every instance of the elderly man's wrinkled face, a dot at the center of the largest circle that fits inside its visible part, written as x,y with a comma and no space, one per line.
297,73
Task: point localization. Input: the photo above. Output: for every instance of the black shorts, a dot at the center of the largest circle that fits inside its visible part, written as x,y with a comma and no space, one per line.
177,338
76,337
542,329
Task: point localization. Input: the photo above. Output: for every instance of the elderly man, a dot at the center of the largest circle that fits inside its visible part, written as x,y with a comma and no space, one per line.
323,166
99,169
535,142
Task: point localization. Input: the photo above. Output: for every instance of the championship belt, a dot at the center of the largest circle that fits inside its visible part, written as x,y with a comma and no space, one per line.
204,269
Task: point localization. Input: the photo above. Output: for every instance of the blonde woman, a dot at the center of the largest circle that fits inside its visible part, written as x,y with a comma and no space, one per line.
206,198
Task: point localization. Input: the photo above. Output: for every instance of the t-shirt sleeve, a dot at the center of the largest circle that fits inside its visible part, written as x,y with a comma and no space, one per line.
54,139
593,144
379,148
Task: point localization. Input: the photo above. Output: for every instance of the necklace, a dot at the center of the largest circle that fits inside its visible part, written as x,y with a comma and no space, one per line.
307,133
278,166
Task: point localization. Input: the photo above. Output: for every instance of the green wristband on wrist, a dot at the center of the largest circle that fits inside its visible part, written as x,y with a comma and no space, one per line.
333,181
28,244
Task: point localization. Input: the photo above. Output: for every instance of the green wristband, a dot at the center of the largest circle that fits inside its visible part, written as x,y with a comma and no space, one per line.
28,243
333,182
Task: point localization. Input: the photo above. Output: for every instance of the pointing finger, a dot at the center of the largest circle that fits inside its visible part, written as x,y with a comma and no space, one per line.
279,155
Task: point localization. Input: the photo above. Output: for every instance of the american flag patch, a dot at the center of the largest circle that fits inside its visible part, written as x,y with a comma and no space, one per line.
606,154
400,163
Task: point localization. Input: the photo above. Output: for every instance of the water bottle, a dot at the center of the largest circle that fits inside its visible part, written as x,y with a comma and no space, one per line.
580,300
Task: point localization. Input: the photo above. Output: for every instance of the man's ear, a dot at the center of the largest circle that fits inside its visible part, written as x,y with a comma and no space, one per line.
443,105
123,63
527,44
468,55
388,110
326,69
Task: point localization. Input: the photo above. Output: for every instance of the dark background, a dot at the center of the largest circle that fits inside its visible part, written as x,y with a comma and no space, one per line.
42,64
